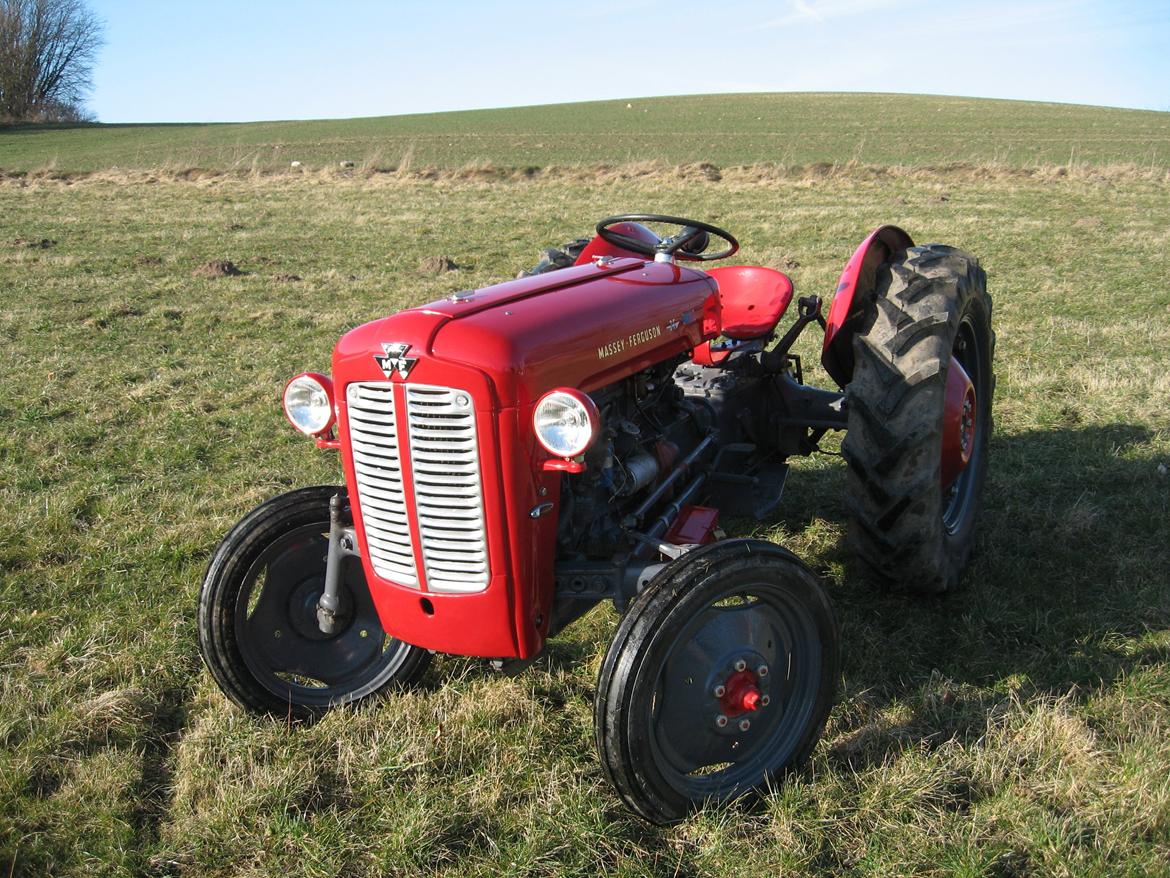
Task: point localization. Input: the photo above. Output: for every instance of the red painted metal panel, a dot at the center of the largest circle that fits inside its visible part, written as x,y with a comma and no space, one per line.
752,299
581,327
585,335
601,247
856,281
470,624
694,526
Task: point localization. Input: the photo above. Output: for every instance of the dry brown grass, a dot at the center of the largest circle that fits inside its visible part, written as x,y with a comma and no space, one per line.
648,171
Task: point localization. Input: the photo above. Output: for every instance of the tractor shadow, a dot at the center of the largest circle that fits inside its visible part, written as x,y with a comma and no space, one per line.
1069,568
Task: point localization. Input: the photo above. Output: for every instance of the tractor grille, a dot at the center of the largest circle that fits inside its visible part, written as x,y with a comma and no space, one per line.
373,435
444,458
439,431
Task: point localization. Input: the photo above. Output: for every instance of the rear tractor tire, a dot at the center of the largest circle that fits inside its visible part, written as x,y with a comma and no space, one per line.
912,501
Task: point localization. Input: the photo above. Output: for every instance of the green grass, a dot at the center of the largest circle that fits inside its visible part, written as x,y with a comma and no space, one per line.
1018,727
725,130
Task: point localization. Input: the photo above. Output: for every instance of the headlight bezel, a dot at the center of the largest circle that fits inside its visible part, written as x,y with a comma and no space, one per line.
324,384
574,400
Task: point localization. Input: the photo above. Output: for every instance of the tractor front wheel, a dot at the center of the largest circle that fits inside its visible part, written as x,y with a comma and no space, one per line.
718,680
919,407
257,622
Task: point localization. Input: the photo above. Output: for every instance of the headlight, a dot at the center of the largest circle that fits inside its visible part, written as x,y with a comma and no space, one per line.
308,403
566,422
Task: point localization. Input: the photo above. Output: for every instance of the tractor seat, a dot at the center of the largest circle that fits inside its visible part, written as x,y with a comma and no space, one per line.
752,299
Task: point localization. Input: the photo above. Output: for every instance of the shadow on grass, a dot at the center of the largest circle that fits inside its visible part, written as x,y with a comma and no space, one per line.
1069,571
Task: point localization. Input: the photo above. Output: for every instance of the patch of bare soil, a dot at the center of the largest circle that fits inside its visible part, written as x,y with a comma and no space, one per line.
287,278
700,171
217,268
33,243
436,265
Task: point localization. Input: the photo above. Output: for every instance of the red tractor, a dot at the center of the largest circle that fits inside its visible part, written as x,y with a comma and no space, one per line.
516,454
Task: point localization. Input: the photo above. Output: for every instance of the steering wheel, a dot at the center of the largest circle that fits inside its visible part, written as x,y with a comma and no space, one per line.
688,244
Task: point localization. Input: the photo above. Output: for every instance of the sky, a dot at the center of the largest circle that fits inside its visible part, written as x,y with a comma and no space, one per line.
263,59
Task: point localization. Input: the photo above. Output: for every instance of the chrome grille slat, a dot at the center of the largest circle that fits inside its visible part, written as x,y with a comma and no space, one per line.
373,432
445,468
394,551
387,548
382,474
379,450
378,492
448,490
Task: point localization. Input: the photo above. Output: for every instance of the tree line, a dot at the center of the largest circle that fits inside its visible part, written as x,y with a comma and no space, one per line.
47,53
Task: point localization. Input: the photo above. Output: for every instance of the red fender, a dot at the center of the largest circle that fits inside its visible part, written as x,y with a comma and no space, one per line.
853,294
601,247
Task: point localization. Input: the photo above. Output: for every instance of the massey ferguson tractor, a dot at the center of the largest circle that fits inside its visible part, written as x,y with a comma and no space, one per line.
516,454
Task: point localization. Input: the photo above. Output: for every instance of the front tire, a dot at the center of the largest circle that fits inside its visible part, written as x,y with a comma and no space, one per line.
930,310
257,617
719,679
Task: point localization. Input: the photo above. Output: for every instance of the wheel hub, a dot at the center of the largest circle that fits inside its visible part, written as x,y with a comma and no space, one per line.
958,433
741,694
302,610
739,688
280,639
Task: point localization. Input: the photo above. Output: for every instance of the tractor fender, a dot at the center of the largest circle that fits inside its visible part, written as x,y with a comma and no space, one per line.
853,295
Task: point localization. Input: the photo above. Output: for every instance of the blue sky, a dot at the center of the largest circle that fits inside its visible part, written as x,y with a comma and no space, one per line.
262,59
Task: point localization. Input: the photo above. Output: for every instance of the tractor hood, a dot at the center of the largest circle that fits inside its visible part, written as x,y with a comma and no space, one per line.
583,327
484,357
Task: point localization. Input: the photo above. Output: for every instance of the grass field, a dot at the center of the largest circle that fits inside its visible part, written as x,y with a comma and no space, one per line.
1018,727
785,129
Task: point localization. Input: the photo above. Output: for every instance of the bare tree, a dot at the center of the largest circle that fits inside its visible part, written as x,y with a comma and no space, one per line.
47,51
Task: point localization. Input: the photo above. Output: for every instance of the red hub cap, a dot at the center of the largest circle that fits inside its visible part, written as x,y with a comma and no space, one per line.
741,694
958,434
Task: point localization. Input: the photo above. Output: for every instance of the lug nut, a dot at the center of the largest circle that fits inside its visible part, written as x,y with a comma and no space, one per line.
740,665
762,671
721,721
720,691
765,700
744,725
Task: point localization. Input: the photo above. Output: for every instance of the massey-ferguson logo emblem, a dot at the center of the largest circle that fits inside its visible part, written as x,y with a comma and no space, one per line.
396,359
612,348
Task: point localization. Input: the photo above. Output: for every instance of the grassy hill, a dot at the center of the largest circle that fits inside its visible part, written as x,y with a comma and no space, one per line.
787,129
1015,728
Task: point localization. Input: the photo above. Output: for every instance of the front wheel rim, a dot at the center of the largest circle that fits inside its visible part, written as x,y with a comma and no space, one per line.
701,748
277,635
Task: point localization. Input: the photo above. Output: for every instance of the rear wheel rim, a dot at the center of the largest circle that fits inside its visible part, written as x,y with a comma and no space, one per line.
694,754
277,634
959,499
